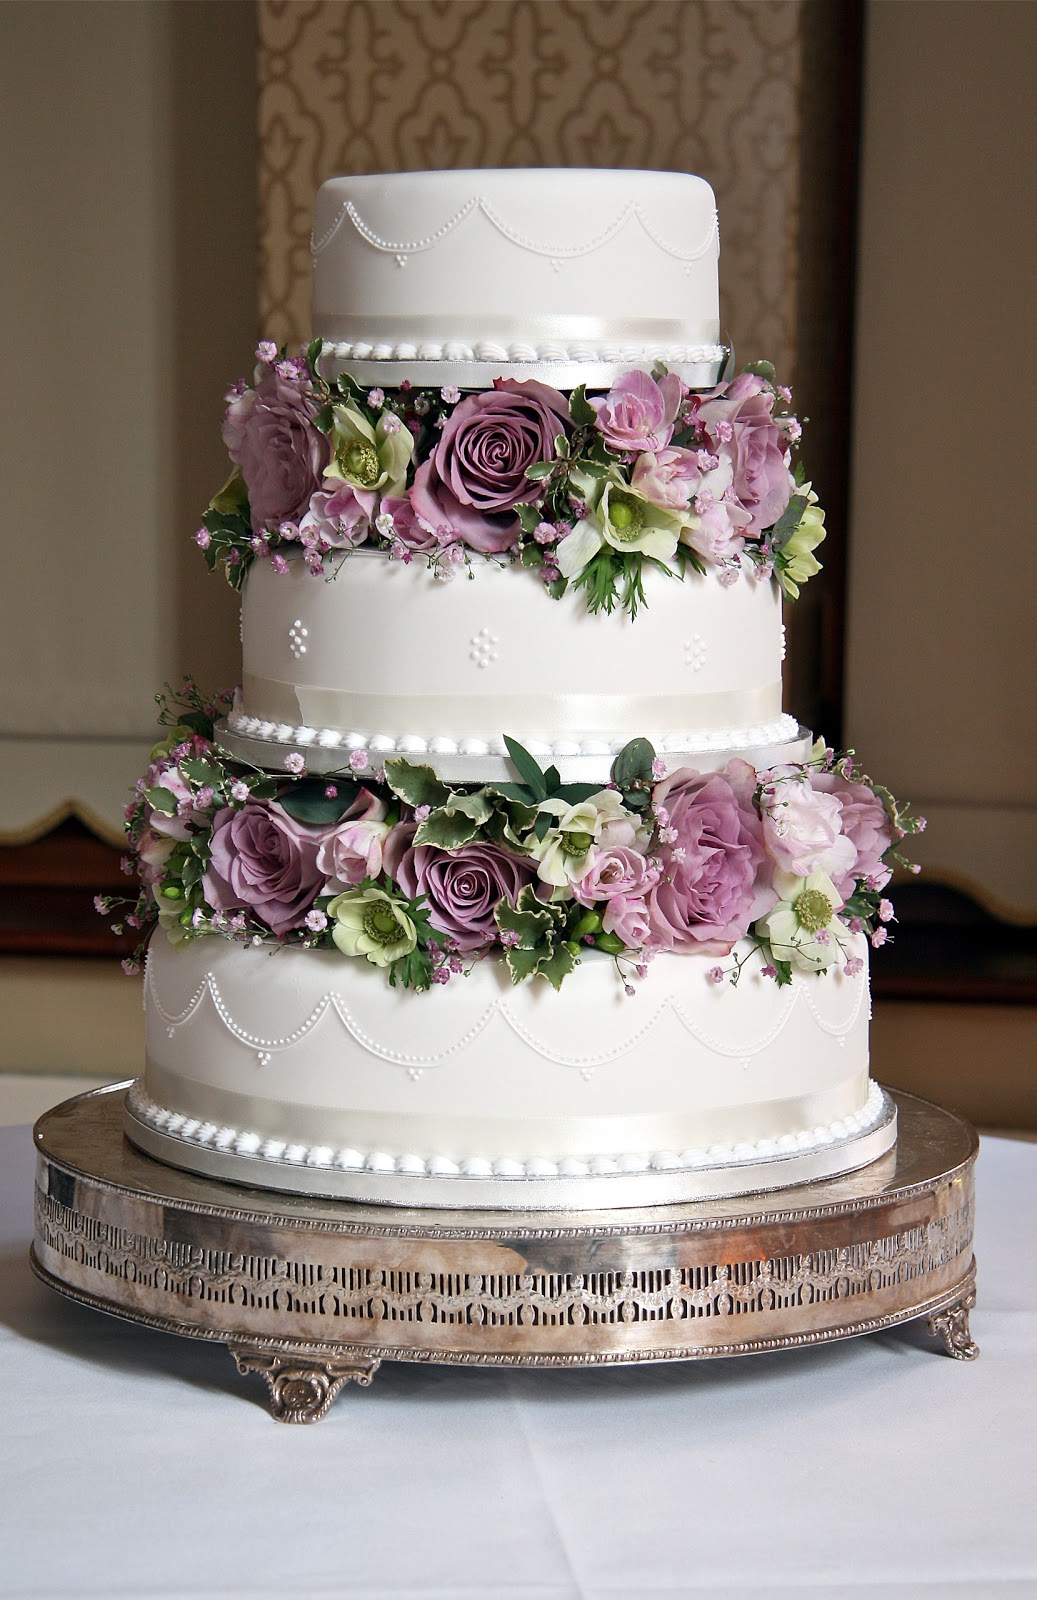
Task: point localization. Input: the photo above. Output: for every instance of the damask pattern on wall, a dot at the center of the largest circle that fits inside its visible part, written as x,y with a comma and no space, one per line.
705,86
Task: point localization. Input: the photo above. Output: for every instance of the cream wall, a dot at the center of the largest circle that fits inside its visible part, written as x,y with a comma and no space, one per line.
942,548
128,288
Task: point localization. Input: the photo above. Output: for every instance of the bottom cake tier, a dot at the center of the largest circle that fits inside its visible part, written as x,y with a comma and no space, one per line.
295,1070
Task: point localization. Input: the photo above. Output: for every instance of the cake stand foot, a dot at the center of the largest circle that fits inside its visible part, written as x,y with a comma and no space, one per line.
952,1326
302,1388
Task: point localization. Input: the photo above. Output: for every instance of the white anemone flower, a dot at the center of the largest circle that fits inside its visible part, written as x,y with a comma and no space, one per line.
618,517
566,852
802,928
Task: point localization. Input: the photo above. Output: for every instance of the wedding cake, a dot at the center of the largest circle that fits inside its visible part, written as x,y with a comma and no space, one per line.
504,880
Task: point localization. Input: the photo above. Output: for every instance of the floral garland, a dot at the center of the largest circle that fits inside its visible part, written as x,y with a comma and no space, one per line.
583,491
422,879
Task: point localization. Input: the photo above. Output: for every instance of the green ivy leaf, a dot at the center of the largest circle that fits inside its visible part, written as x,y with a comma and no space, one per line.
325,419
528,768
191,872
530,517
580,408
762,369
521,963
539,470
163,800
557,966
417,785
447,829
313,350
201,772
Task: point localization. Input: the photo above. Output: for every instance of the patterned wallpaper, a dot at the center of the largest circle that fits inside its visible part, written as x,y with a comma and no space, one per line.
706,86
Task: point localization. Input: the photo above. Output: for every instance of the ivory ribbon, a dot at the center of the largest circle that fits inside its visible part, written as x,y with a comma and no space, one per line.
520,1138
536,328
531,715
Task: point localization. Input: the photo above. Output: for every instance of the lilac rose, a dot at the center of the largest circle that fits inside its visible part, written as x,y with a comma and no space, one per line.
865,824
265,862
270,433
742,431
712,887
463,887
476,474
638,413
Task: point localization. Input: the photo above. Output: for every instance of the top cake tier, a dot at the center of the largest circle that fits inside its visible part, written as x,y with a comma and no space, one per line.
519,270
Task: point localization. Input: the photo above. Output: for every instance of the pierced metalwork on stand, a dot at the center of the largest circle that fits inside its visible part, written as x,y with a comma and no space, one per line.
314,1294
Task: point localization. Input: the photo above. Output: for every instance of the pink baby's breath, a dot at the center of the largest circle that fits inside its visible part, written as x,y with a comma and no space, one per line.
715,974
294,762
854,966
266,351
203,538
885,910
359,760
316,921
879,938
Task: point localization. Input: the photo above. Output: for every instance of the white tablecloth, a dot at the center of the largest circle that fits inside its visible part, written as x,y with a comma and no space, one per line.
135,1464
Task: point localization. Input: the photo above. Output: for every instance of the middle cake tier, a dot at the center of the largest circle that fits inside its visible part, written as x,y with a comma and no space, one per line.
391,659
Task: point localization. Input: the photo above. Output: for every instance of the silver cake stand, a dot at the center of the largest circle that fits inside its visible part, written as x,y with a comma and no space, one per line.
314,1294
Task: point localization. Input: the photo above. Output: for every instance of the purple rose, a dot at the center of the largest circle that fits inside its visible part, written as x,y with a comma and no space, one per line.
865,824
741,431
638,413
263,861
270,434
463,886
476,474
712,887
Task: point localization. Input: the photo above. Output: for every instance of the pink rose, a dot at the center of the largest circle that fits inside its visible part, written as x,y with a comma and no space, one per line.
865,824
270,435
615,871
476,474
638,413
668,478
741,430
339,515
463,887
410,531
265,862
715,881
627,917
352,850
803,828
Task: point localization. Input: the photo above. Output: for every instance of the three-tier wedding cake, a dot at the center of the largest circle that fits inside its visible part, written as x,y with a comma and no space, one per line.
504,880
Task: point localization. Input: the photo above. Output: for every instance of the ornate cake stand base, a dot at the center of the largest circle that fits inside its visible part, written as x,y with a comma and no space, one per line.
314,1294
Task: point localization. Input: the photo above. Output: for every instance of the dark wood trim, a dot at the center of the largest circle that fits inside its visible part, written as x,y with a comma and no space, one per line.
830,124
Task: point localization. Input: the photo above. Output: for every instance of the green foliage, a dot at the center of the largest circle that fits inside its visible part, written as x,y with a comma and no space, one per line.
762,369
162,800
416,785
580,408
307,802
540,946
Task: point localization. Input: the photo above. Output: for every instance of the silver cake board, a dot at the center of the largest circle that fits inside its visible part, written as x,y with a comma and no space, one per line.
316,1293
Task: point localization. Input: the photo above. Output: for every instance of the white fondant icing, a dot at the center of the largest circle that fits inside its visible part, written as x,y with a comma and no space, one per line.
493,1073
487,278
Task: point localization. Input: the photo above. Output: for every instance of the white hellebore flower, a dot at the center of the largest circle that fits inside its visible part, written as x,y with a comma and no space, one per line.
369,458
565,853
369,923
802,927
618,517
